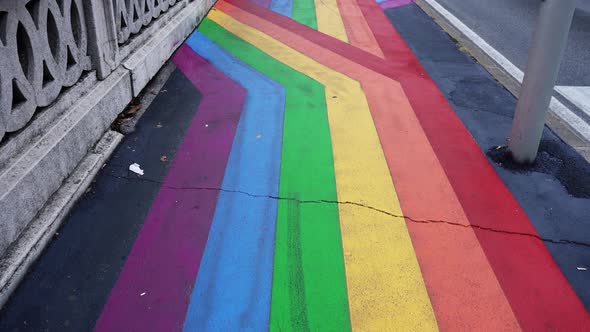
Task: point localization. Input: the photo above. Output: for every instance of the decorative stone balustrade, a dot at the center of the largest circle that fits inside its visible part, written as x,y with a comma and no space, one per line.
132,15
43,48
47,45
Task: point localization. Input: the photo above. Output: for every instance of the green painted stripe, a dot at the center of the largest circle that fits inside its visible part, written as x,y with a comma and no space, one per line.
309,284
304,13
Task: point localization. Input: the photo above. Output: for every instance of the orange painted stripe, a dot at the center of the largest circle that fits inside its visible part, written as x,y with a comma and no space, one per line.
358,31
461,283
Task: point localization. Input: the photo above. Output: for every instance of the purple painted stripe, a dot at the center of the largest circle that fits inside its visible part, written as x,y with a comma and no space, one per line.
394,3
262,3
166,255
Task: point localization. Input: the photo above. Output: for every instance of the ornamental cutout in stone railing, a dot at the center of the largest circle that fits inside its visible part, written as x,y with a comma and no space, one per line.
132,15
43,48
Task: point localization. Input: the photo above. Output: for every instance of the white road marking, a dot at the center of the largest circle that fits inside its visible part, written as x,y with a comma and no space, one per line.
556,107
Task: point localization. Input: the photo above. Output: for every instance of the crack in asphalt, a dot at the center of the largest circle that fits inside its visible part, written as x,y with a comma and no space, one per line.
361,205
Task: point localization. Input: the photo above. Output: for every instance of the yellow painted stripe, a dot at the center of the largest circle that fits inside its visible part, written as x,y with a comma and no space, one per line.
329,19
385,286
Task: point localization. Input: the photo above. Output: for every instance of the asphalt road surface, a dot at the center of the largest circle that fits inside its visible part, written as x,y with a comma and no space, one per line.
507,25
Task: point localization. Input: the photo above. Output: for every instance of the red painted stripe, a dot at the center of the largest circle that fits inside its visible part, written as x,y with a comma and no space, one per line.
165,257
538,292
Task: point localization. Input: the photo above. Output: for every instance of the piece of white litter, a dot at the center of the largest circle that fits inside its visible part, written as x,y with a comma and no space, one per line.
142,294
135,168
206,125
582,269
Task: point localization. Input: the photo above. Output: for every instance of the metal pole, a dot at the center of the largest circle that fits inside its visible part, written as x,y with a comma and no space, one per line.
548,44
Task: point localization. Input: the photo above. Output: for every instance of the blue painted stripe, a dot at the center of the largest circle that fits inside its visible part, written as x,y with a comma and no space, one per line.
233,288
283,7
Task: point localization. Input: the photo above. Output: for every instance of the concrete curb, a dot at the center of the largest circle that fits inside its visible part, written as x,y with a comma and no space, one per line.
566,123
31,242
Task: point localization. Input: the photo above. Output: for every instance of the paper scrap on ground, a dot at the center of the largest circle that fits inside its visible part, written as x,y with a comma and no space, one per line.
135,168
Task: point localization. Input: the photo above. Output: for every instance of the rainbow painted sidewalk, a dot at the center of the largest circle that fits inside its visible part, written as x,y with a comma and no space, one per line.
325,184
335,153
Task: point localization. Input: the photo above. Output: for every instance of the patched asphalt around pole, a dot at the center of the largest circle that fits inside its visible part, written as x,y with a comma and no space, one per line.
507,25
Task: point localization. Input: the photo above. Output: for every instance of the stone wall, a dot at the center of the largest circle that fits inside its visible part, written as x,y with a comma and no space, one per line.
67,69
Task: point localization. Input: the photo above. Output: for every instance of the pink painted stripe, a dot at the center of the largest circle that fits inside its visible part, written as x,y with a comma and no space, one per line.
394,3
166,255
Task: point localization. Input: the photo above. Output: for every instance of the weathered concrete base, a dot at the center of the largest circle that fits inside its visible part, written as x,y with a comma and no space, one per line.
34,238
563,121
